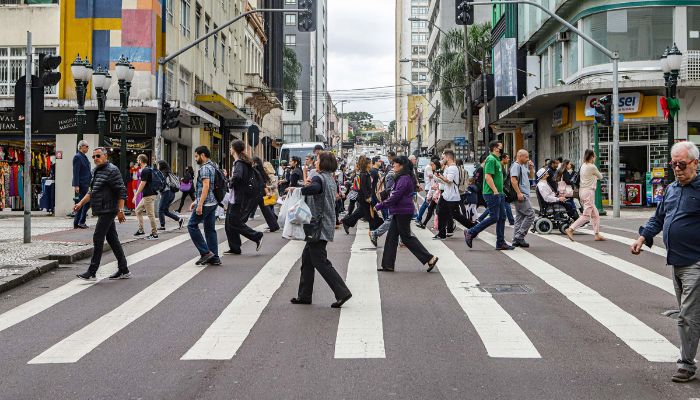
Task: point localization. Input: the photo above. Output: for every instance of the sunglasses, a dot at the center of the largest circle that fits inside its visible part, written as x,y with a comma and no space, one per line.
679,164
97,156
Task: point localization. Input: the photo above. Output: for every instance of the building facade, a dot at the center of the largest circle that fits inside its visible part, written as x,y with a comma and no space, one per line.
552,114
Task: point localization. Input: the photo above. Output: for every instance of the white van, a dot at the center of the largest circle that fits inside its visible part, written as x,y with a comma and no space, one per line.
300,150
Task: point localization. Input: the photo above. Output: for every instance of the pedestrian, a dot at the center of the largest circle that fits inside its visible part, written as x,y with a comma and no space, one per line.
204,210
505,164
678,216
320,197
81,182
385,187
550,196
427,182
364,198
589,176
522,170
242,201
448,205
433,194
106,197
273,185
268,214
147,203
401,207
166,198
493,195
552,172
564,185
186,187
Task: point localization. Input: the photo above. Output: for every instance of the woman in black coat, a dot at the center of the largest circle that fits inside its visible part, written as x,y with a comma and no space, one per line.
364,199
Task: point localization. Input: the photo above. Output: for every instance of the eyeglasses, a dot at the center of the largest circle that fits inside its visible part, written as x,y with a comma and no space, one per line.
97,156
679,164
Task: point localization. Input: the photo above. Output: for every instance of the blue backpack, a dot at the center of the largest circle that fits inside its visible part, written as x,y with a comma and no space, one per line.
157,181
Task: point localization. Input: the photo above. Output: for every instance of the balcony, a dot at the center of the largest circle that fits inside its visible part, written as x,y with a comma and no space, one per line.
690,69
258,96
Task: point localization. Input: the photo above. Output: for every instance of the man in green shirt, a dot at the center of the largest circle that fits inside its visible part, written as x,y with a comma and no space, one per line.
493,195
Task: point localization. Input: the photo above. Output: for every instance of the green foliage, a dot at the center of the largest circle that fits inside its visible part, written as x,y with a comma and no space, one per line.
291,72
392,127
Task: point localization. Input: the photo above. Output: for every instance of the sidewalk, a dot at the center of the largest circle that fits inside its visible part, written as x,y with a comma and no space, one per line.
54,242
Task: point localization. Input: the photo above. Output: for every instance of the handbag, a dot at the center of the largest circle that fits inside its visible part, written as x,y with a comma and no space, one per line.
312,230
270,200
185,187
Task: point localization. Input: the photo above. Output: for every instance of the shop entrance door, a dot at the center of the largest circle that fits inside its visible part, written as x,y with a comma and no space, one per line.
634,164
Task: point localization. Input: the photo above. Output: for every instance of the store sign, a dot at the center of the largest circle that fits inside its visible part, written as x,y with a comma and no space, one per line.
560,116
136,124
629,103
131,144
9,123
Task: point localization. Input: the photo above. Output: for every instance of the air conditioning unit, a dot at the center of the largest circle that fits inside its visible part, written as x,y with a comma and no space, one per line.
563,36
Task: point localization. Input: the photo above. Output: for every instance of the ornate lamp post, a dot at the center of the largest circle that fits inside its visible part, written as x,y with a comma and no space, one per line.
102,82
671,65
82,73
124,76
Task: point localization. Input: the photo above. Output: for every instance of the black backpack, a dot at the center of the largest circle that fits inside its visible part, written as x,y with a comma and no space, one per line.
508,190
157,181
220,184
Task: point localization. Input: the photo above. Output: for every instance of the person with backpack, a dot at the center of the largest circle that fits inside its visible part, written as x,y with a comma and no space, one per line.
186,187
172,186
448,205
384,188
264,179
204,208
510,195
246,191
150,185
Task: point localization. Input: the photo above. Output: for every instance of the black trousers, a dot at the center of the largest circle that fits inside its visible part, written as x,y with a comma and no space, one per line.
351,206
401,228
106,229
236,227
429,214
269,215
448,212
184,196
362,211
314,257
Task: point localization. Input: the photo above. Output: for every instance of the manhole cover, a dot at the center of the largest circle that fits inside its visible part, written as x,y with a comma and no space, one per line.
505,288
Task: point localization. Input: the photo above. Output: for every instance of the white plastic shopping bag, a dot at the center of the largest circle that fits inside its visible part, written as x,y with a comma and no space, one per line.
284,209
299,212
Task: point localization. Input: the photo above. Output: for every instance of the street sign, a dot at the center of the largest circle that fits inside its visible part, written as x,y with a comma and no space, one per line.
460,141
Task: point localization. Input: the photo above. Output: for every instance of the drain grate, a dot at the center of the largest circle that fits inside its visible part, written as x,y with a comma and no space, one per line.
505,288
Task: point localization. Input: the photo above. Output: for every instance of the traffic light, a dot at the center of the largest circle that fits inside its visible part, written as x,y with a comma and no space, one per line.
170,116
47,64
603,111
464,12
307,19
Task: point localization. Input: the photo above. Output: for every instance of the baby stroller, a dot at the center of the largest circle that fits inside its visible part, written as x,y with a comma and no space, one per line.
551,216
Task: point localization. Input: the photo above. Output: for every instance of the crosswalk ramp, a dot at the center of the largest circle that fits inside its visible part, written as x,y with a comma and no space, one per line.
361,327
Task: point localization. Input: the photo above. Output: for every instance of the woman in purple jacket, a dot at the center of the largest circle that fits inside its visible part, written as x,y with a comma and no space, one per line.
401,207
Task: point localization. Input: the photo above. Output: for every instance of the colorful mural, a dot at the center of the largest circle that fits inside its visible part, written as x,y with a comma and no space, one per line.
103,30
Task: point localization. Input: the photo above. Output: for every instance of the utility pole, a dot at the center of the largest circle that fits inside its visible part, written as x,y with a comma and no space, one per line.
27,178
468,92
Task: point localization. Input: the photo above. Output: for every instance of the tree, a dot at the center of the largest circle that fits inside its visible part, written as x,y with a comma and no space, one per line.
291,72
448,65
359,120
392,127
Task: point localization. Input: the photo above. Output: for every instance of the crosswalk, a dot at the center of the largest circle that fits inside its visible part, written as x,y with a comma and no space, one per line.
362,332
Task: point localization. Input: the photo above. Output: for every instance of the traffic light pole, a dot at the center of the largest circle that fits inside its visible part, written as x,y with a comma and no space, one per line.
615,58
160,90
27,178
596,149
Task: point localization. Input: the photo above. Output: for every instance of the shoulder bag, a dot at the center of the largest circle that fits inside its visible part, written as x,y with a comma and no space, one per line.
312,230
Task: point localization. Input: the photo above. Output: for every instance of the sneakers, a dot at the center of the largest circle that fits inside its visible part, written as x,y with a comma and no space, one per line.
520,243
140,232
258,244
86,276
231,252
214,261
438,237
152,236
180,222
469,239
505,246
120,275
420,225
683,375
162,228
81,226
204,258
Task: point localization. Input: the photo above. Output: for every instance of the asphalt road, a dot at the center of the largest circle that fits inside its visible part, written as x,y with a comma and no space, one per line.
586,323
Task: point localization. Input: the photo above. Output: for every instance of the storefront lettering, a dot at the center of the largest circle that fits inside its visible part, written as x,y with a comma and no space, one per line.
8,123
136,124
629,103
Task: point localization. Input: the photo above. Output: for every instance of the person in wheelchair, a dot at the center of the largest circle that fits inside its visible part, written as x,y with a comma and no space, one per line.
545,192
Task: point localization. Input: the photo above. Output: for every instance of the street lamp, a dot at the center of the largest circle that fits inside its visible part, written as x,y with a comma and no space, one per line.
82,73
671,62
124,77
102,82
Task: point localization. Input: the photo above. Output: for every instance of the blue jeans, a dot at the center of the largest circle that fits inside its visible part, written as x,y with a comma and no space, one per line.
422,209
166,198
494,203
81,215
508,213
208,217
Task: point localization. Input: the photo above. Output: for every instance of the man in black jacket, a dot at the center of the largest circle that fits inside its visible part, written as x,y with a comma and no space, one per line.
106,196
81,181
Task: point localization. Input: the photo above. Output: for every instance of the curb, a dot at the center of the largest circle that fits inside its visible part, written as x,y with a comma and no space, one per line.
26,274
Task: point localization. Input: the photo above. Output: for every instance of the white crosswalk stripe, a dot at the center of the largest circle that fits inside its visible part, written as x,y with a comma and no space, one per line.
50,299
360,328
225,336
659,251
500,334
617,263
637,335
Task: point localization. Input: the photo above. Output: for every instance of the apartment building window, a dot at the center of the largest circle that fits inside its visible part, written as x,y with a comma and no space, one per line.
419,10
197,20
169,81
572,56
693,28
419,37
419,49
184,89
169,10
223,52
185,17
292,133
419,24
207,21
422,76
290,19
216,44
290,40
290,2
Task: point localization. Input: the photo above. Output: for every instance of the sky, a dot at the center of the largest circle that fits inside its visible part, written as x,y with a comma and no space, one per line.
361,55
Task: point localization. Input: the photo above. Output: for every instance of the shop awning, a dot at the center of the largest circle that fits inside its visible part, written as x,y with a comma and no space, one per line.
216,103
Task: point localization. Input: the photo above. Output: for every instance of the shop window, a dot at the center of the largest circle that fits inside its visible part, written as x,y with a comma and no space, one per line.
639,34
693,28
572,56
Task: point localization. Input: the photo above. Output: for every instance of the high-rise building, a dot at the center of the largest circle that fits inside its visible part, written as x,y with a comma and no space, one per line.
307,121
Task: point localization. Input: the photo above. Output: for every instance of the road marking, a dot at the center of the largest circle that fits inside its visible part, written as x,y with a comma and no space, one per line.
360,329
50,299
500,334
82,342
637,335
617,263
659,251
227,333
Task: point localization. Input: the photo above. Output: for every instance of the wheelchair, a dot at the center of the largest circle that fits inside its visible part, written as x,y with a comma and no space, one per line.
551,216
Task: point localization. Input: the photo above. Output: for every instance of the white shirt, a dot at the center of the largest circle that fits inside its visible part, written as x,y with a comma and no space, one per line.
546,192
451,192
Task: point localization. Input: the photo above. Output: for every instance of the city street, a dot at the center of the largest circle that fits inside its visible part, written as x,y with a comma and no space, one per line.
558,320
